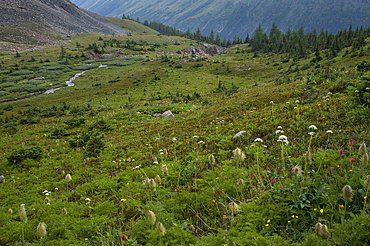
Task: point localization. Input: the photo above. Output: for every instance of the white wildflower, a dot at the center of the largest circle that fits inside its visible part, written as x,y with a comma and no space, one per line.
311,133
329,131
240,134
258,140
312,127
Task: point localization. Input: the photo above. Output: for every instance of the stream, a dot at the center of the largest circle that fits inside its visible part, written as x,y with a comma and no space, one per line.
68,82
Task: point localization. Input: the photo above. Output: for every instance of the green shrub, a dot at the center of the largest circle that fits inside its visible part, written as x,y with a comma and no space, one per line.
86,67
101,125
17,156
7,84
4,71
21,72
35,82
58,133
74,122
4,93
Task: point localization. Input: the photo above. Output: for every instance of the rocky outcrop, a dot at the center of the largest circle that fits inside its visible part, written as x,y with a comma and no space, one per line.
60,14
204,50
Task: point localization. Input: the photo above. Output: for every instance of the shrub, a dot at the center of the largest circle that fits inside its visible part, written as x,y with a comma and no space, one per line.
17,156
4,93
58,133
73,122
35,82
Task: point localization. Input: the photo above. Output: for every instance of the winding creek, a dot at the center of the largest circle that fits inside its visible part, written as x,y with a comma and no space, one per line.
68,82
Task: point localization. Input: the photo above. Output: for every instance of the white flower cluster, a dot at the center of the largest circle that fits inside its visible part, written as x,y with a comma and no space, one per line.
240,134
284,139
88,200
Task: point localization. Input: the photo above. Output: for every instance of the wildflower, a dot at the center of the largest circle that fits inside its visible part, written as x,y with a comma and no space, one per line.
312,127
297,170
279,127
297,101
341,206
87,200
23,214
201,142
341,151
146,182
321,210
272,102
356,90
155,161
322,231
287,102
367,182
152,185
241,182
258,140
350,141
347,193
64,211
240,134
274,180
211,159
151,217
329,131
362,149
352,160
279,131
160,228
174,140
195,137
282,138
157,179
311,133
165,170
68,178
41,229
238,154
233,207
365,158
10,211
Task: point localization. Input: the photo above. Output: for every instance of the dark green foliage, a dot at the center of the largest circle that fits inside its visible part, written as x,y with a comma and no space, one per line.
363,66
4,93
8,108
17,156
59,133
101,125
74,122
92,140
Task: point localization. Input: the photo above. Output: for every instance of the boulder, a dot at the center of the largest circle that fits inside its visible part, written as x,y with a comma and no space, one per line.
168,114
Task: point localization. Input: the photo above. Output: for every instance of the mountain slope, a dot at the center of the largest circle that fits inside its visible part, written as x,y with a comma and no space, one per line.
228,18
60,14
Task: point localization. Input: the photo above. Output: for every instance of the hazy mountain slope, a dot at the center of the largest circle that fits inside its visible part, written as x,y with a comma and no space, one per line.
60,14
239,17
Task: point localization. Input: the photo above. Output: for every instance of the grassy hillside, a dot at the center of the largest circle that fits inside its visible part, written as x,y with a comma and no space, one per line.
258,151
132,26
229,18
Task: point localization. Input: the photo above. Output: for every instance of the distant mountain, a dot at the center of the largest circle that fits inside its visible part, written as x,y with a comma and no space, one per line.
60,14
239,17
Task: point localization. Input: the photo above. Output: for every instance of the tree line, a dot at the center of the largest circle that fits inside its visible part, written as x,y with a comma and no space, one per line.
297,43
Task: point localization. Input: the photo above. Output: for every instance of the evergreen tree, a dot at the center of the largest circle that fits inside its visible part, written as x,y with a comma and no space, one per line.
247,39
218,40
212,37
123,16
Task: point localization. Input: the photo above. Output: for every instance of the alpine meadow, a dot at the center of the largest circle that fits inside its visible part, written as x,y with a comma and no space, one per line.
144,134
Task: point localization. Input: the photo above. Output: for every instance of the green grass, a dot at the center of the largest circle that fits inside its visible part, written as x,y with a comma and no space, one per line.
101,146
132,26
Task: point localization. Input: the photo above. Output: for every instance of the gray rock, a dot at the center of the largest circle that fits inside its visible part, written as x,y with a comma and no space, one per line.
168,114
39,78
